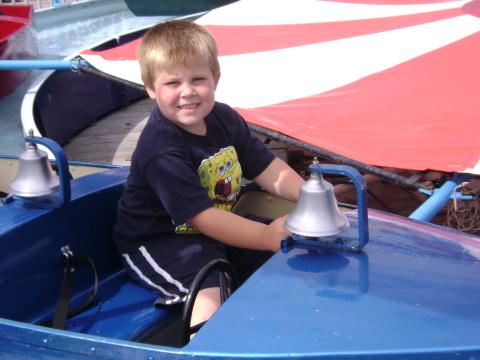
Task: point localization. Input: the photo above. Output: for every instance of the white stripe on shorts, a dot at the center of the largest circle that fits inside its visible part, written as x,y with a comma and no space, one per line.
161,271
130,263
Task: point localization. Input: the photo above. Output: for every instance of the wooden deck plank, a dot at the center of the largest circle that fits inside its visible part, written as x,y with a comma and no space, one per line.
112,139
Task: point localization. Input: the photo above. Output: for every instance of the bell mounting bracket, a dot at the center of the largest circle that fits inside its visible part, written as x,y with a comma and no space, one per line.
340,242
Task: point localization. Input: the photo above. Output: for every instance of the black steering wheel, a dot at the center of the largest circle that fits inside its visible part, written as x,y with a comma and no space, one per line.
228,284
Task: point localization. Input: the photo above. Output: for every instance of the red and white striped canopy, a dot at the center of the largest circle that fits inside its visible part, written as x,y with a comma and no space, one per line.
387,83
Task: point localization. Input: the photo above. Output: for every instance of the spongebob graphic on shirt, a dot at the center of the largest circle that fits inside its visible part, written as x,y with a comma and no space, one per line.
221,175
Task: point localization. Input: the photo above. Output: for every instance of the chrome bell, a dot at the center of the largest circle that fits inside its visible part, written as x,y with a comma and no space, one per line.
35,176
317,213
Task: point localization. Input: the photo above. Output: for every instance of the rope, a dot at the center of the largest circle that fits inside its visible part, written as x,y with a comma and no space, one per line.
465,215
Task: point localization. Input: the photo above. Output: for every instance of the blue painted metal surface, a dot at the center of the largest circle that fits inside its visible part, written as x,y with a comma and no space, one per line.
362,198
411,293
122,310
33,233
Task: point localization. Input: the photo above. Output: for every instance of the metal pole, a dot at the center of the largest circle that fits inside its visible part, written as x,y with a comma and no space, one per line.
439,199
72,65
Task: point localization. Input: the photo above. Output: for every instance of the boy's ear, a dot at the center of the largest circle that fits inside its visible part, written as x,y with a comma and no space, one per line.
150,92
216,79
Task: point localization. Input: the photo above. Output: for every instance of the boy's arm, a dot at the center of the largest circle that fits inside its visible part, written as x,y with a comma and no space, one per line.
235,230
280,179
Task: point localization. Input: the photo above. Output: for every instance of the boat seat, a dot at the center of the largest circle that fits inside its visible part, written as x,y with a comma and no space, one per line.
122,310
125,310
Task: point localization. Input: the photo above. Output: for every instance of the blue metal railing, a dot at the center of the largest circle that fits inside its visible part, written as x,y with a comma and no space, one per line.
72,65
340,243
440,197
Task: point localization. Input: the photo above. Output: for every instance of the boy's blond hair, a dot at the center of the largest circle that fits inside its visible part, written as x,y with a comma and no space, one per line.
173,43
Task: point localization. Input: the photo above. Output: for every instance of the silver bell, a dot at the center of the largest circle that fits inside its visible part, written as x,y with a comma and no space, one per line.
35,176
317,213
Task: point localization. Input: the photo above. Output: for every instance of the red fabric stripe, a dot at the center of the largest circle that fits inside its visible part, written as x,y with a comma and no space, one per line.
418,115
245,39
126,51
422,114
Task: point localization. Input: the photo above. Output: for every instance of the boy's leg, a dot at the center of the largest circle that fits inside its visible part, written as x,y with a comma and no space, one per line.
206,303
169,265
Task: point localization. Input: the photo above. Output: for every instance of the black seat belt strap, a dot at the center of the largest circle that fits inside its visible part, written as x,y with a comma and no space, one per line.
62,312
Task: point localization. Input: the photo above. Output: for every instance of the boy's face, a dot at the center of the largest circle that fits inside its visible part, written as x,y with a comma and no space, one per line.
185,95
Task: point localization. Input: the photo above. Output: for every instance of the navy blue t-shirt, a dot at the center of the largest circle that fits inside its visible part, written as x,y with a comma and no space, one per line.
175,175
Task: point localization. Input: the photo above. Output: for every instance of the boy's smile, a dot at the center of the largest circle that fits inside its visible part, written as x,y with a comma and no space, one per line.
185,94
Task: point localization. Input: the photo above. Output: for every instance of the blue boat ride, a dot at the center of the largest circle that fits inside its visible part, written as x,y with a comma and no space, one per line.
387,287
380,286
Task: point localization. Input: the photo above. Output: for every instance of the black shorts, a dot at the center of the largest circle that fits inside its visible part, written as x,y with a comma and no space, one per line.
169,265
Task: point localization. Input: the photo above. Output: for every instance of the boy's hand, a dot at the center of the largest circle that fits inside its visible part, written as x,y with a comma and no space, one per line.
235,230
274,233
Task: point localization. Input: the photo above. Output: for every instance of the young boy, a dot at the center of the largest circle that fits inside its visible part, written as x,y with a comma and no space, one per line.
174,216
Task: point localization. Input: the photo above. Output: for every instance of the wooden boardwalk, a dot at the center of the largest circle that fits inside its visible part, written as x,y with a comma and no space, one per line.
112,139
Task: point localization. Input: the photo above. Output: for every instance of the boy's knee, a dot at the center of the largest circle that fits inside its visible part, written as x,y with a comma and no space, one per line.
206,303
